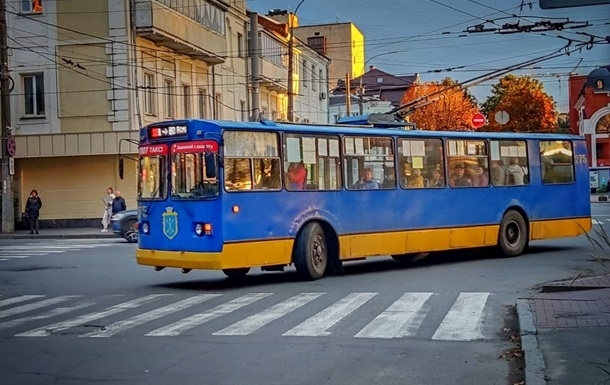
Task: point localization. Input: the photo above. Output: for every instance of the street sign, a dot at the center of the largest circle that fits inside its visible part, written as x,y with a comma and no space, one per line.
11,166
11,146
478,120
502,117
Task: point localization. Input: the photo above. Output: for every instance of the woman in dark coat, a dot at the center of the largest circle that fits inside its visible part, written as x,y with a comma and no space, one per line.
32,210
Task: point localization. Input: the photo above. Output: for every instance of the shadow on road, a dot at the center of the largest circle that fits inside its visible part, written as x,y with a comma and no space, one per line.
257,278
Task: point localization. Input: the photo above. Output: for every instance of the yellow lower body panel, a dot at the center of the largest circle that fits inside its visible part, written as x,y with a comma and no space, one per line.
559,228
233,255
279,252
402,242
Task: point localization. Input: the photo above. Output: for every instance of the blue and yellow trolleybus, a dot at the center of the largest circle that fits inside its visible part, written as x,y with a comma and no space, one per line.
231,196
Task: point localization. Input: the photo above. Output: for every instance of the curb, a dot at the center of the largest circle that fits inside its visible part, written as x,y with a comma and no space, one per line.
532,355
60,236
563,288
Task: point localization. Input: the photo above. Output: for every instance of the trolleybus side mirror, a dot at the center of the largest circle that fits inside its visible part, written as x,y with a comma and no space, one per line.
121,168
210,165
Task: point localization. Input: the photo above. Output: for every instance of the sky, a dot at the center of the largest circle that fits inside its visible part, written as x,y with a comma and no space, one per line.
425,36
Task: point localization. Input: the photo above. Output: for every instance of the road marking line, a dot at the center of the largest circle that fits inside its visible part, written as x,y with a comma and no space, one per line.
199,319
49,314
35,305
21,298
123,325
462,323
402,318
83,319
319,324
257,321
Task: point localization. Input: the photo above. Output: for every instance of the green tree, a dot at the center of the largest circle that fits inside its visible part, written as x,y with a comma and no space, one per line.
450,108
529,108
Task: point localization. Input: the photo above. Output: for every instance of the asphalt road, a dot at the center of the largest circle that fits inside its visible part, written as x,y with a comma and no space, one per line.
82,311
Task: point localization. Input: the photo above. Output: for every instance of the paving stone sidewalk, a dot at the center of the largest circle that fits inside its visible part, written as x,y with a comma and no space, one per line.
564,330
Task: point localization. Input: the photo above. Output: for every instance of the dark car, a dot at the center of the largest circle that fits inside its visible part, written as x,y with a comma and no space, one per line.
124,224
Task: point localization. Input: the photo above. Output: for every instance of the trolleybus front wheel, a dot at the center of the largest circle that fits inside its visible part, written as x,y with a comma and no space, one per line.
513,236
236,273
311,252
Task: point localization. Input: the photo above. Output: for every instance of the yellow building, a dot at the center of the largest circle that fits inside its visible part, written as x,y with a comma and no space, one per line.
87,75
343,43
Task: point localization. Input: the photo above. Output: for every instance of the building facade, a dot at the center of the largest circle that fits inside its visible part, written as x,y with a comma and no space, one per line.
82,84
310,76
590,113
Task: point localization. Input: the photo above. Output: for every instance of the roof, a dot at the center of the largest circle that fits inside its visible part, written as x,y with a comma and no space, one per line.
594,77
358,130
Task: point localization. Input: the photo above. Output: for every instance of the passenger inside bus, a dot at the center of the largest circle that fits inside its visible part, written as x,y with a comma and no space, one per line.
458,179
296,176
389,177
366,182
437,179
498,175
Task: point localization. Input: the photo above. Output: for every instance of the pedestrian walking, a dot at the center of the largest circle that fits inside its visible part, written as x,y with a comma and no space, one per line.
118,203
107,209
32,210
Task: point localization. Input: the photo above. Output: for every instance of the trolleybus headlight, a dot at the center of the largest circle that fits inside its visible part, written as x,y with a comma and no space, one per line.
145,228
199,229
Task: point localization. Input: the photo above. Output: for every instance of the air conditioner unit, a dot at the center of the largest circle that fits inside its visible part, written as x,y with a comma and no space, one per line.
322,95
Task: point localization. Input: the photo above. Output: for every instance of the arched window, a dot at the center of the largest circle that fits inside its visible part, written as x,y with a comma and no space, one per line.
603,125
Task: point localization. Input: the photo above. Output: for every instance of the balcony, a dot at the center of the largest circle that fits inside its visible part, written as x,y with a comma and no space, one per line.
182,32
273,77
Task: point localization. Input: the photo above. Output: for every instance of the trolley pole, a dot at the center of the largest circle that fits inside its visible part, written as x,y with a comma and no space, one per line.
8,220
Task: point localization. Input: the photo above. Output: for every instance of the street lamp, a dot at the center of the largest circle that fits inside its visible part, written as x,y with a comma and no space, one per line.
360,87
291,17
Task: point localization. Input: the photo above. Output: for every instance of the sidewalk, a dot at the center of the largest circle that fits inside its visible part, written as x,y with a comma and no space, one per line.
67,233
565,330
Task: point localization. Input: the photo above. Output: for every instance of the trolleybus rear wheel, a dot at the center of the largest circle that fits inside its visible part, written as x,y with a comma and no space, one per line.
311,252
236,273
513,237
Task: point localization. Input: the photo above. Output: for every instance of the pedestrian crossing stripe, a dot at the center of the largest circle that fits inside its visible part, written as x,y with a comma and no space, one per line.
403,318
28,250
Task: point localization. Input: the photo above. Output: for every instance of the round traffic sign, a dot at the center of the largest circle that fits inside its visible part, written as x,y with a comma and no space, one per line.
11,146
502,117
478,120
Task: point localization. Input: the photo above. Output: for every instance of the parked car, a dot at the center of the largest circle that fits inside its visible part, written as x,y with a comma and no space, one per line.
124,224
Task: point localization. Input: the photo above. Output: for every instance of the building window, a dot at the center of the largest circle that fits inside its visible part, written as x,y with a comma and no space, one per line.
203,110
168,97
149,97
321,80
33,90
244,111
186,94
31,6
603,125
313,78
304,74
217,105
240,44
273,51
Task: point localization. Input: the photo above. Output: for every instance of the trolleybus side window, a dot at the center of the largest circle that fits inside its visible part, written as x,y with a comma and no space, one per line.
467,163
509,163
421,163
557,161
365,162
251,161
311,162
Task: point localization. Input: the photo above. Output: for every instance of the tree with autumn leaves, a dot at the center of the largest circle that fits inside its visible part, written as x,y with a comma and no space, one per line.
451,108
529,108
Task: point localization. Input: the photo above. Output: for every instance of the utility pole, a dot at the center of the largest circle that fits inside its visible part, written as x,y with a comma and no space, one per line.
8,223
348,95
255,66
292,18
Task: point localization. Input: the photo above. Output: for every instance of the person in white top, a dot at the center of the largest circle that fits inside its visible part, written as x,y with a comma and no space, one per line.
516,171
107,209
